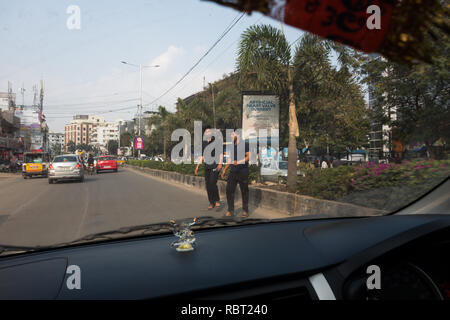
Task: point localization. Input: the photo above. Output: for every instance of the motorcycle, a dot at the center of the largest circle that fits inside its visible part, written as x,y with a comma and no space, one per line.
91,169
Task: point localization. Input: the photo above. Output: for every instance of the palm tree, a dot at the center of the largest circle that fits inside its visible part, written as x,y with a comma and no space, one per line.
264,63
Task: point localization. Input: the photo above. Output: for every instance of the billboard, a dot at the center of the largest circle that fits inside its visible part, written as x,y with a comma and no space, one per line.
4,100
138,143
30,125
259,111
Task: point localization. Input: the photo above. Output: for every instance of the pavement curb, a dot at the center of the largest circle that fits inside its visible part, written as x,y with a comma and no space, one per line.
292,204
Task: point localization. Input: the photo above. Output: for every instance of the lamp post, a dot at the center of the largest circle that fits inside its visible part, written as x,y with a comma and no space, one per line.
140,66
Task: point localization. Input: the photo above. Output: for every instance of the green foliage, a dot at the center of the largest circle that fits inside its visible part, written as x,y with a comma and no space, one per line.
330,184
418,96
335,183
188,169
112,146
71,147
330,105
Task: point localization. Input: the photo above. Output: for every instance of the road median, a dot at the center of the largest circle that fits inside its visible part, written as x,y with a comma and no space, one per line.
292,204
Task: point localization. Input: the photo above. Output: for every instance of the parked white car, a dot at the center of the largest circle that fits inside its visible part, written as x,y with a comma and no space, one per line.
275,171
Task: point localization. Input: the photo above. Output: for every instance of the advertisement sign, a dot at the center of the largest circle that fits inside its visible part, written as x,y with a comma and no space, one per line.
138,143
30,125
259,111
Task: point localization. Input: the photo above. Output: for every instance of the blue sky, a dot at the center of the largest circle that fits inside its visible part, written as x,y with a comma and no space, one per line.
81,68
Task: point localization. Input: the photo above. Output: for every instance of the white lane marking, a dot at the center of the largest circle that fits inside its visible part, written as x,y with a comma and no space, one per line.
85,210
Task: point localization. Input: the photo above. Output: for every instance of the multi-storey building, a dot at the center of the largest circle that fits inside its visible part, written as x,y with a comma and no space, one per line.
56,142
103,133
81,129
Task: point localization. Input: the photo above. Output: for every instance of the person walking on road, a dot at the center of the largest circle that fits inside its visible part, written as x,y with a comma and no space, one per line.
211,172
238,161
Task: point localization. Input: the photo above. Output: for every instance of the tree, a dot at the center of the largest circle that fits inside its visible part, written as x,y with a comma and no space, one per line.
330,105
71,147
162,121
126,139
413,100
85,147
112,146
56,149
264,63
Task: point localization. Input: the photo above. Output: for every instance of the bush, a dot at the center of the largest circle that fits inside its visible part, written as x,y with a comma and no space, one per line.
334,183
188,169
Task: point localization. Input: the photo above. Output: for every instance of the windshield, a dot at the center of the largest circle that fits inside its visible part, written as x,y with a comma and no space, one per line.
33,158
215,113
283,165
65,159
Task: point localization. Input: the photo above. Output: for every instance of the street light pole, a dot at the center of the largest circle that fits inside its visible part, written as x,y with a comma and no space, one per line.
140,96
140,106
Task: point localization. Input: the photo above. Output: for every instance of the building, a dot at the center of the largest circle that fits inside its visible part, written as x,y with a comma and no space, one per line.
10,142
380,135
81,129
56,142
103,133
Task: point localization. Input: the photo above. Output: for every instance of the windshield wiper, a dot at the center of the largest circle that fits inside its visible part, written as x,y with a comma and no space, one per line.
19,249
165,227
140,230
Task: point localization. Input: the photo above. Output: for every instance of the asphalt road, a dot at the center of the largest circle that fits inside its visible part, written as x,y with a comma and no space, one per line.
33,212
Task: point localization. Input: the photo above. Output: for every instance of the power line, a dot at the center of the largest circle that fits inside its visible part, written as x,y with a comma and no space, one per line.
228,29
200,74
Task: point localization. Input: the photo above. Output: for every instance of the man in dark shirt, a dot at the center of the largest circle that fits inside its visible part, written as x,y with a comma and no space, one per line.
211,172
238,161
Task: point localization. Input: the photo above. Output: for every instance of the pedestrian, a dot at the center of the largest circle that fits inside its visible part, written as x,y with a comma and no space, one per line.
238,161
211,172
324,164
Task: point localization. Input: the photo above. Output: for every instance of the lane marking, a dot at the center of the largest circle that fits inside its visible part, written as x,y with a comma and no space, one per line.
85,210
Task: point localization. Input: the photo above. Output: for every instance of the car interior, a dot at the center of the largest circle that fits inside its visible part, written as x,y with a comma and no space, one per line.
326,259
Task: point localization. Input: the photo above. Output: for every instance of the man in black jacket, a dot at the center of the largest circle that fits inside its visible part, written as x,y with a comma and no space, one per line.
211,172
238,161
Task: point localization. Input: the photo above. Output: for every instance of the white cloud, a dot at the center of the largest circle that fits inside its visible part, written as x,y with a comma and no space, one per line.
106,91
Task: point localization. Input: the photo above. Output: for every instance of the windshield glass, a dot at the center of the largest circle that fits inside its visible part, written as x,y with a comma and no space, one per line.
283,165
215,113
33,158
65,159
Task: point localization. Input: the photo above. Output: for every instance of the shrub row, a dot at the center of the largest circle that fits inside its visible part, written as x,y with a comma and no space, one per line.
184,168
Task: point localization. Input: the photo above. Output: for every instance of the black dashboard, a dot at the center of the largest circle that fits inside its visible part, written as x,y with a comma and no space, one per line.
293,260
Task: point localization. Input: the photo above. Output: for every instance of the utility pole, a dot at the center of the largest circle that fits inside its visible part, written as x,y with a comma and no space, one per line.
22,91
140,66
140,106
214,107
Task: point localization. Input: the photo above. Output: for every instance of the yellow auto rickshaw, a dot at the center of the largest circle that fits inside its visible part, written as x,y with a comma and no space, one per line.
35,164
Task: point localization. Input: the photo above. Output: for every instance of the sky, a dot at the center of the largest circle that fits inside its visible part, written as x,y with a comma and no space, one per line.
82,69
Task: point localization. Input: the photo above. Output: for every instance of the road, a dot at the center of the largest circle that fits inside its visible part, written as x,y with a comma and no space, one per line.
33,212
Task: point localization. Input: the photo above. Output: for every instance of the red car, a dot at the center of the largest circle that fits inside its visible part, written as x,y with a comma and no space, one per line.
106,163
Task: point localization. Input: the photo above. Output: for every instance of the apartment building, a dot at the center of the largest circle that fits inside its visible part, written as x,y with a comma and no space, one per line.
81,129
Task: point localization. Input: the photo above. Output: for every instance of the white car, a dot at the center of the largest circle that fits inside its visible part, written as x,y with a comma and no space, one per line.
275,171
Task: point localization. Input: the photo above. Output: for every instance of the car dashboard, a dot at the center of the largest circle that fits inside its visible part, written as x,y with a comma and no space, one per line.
323,259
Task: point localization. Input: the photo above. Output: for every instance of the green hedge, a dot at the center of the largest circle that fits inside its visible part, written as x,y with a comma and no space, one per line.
183,168
335,183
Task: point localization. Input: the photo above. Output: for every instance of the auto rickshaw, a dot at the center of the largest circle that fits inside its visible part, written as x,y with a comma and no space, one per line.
35,164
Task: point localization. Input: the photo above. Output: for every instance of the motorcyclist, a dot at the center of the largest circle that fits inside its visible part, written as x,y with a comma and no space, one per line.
90,162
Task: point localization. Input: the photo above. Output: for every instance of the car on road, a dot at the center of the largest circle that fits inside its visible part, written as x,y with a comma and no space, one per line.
106,163
121,161
66,167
